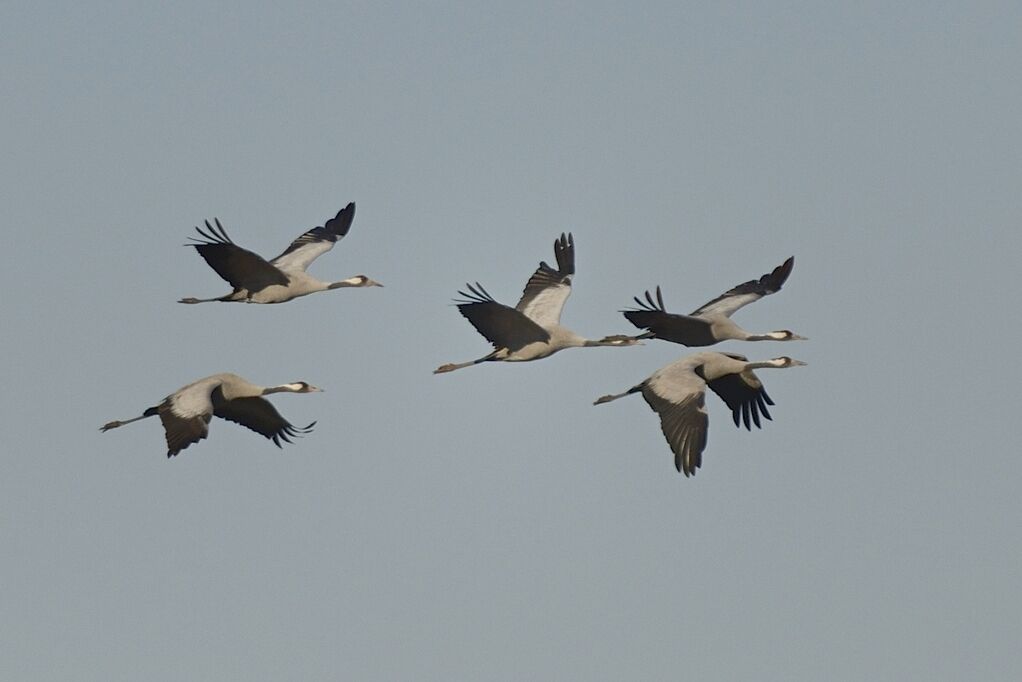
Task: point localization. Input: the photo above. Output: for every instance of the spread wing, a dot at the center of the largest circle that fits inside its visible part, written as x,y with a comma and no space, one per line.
744,395
185,414
316,241
259,415
547,290
684,425
503,326
182,431
748,292
684,329
678,395
239,267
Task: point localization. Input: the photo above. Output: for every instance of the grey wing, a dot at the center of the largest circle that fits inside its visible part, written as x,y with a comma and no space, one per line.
548,289
748,292
182,432
684,426
240,267
684,329
259,415
185,414
677,394
501,325
744,395
317,241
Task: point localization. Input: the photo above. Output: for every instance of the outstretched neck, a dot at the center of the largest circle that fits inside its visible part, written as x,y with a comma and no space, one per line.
775,362
283,388
294,387
772,336
613,340
762,364
356,281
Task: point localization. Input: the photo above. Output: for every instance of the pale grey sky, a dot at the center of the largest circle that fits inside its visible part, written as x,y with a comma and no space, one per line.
492,524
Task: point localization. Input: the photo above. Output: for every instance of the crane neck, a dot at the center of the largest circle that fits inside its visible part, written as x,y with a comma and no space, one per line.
775,362
613,340
283,388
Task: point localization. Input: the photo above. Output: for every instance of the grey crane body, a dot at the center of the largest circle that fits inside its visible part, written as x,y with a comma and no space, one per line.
282,279
711,323
186,412
532,329
676,392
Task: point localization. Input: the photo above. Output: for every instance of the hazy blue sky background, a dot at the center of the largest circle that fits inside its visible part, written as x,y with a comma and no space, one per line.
492,523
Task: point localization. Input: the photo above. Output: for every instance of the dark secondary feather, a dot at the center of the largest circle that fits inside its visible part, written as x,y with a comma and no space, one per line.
684,329
501,325
240,267
744,395
257,414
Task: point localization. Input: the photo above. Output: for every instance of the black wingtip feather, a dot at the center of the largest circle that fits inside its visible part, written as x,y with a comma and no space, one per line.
290,431
475,294
338,226
211,235
649,305
564,251
776,279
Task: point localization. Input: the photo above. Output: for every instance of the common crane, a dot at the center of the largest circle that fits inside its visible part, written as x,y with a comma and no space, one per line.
711,322
186,412
256,280
677,393
531,330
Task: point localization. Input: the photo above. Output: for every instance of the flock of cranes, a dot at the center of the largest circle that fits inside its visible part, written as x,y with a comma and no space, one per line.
529,331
